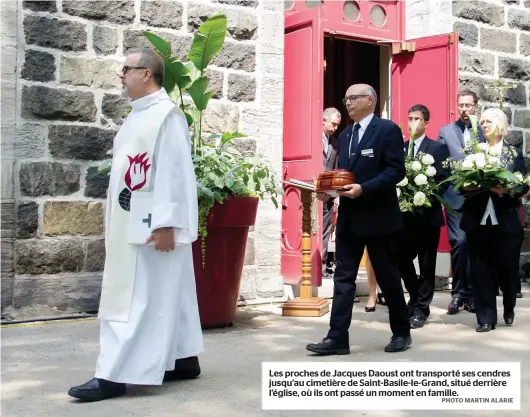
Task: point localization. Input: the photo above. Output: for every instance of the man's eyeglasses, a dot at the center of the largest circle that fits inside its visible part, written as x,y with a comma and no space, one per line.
353,98
466,106
126,68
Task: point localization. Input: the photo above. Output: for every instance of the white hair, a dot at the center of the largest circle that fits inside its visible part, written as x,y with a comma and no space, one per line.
330,112
498,119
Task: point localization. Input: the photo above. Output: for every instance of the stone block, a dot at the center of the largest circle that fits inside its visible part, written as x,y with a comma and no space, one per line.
180,44
30,141
514,137
165,14
527,4
58,104
477,62
516,69
105,41
270,282
220,117
522,119
8,219
96,183
248,289
237,56
498,40
216,82
78,293
95,255
7,282
121,11
241,87
73,218
49,256
54,33
90,72
7,168
38,66
48,178
511,2
40,6
476,84
246,146
9,63
7,144
519,19
27,219
250,252
524,44
80,142
9,102
7,257
241,25
527,164
115,107
242,3
479,11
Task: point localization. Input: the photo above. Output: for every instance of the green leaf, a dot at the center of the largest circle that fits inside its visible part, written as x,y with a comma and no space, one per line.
105,166
189,118
209,41
228,136
161,45
198,93
181,74
229,182
219,183
193,72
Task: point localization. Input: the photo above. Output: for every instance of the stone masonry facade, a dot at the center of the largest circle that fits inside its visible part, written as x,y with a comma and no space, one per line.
61,108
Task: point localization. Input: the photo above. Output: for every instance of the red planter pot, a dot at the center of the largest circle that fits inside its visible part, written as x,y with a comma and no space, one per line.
218,282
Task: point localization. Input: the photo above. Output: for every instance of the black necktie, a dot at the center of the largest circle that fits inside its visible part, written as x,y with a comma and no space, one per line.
355,139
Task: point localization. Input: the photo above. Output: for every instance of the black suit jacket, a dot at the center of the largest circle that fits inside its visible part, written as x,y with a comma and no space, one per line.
440,153
506,207
330,160
378,169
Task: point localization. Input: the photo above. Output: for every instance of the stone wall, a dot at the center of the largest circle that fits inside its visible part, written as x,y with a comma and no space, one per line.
495,41
69,109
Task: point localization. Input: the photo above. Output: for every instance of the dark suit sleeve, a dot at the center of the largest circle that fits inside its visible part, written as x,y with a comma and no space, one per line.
441,137
520,166
442,173
392,161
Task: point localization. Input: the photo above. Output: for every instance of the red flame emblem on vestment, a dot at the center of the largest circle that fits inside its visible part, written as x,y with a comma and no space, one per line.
136,175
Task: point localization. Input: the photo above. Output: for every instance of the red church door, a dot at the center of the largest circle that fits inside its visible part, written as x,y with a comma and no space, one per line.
302,136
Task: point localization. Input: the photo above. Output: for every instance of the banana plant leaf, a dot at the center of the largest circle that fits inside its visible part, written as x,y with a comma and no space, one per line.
208,41
198,93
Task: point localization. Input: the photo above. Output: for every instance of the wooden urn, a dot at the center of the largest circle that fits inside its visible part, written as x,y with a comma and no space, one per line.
332,182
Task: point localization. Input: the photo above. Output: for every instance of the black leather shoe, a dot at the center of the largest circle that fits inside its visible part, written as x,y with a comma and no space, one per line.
519,295
482,328
469,306
508,318
185,368
398,344
328,346
369,309
454,306
97,389
417,322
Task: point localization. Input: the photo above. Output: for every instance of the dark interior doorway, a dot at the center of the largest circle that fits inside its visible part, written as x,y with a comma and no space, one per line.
349,62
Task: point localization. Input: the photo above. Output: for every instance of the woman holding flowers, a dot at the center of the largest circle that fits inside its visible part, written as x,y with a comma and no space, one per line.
492,183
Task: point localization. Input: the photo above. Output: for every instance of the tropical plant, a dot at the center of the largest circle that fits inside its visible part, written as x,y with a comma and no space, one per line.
221,170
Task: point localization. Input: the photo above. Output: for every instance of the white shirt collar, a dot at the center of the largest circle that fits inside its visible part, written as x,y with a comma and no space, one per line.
419,140
366,121
149,100
498,145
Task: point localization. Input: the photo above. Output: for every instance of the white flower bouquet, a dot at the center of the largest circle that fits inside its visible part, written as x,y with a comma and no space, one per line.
418,190
483,167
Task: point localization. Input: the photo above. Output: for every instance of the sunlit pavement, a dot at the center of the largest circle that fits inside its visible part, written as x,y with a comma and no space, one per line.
40,362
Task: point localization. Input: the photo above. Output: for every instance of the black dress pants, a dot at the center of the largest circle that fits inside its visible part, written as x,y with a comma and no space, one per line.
494,256
327,220
384,259
420,239
461,283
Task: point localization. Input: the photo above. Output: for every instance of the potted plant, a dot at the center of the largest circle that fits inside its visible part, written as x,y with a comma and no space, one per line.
229,184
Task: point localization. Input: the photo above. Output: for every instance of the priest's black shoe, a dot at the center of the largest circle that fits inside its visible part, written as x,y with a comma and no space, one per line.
454,305
398,344
328,346
97,389
508,318
483,328
185,368
469,306
519,294
417,322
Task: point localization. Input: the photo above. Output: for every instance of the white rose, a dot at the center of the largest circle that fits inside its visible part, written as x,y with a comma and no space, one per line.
519,176
470,158
431,171
483,146
494,161
480,163
403,182
416,166
420,179
419,199
427,159
480,156
467,165
398,191
494,152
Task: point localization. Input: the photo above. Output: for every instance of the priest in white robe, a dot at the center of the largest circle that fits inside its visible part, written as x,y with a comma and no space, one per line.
150,328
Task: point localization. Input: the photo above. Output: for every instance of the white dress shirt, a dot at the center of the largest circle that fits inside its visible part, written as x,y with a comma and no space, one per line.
467,135
490,210
417,144
364,124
